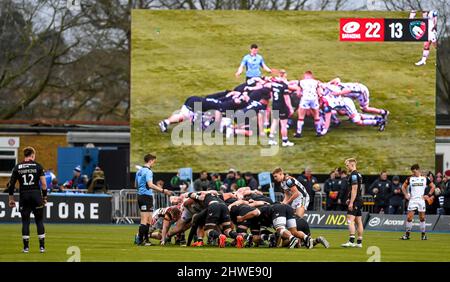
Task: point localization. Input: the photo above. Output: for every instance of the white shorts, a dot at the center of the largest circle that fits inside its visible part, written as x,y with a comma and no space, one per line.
432,36
363,97
349,107
186,215
282,222
186,112
417,204
300,201
356,118
158,225
309,103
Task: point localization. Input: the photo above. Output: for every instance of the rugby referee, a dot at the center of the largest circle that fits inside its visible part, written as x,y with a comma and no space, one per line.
32,196
145,187
253,63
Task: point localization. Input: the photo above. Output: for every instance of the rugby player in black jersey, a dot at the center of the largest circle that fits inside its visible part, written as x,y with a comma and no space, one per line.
32,196
355,203
217,216
281,103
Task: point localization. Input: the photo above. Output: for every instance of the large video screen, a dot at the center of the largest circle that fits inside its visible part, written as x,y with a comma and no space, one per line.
203,96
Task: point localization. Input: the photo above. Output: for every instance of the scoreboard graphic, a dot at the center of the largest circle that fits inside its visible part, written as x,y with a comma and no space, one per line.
366,29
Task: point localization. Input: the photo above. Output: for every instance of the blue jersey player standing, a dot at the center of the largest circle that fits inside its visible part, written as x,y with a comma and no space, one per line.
145,186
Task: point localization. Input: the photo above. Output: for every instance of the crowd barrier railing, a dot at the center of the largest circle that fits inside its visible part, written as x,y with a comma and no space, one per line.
125,205
126,210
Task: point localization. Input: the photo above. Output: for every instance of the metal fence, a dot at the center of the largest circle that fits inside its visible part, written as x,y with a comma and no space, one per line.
125,206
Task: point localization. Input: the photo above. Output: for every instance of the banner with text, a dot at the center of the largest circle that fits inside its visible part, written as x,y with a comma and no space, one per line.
396,222
65,209
329,219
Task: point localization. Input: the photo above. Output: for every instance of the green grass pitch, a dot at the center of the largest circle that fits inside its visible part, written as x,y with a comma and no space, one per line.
115,243
176,54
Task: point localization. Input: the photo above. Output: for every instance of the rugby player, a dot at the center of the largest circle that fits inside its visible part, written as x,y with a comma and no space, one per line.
281,102
162,219
295,193
360,92
187,111
145,186
309,91
217,216
431,16
32,196
188,209
345,105
281,217
414,189
303,226
355,203
245,217
258,92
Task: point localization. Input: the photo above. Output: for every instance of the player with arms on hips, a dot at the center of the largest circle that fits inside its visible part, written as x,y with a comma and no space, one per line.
414,189
431,16
145,186
32,197
295,194
354,212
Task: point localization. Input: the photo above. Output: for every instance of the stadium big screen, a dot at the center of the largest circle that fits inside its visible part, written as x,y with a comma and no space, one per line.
319,88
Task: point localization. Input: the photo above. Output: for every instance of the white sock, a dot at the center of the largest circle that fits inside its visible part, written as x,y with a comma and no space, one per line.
369,122
422,226
300,126
409,226
167,121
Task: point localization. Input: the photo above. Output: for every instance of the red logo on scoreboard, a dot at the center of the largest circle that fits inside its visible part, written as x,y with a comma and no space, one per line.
357,29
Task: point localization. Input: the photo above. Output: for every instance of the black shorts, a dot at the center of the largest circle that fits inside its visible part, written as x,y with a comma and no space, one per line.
283,112
254,225
145,203
281,210
199,219
303,226
217,214
249,223
245,209
30,201
357,210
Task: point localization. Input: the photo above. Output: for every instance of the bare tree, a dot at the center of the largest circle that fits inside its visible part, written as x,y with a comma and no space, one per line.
57,63
68,64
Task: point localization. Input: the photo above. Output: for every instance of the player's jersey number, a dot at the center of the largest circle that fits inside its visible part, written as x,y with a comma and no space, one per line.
28,179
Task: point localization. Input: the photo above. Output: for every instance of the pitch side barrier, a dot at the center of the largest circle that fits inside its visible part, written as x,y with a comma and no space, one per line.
121,207
396,222
64,208
374,221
